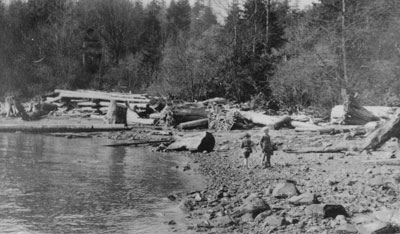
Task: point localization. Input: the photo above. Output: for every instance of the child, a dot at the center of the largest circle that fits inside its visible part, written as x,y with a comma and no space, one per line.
267,148
247,146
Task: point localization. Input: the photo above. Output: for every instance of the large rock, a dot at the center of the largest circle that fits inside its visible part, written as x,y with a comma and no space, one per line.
304,199
388,216
346,229
275,221
223,221
254,205
285,190
377,227
195,143
326,210
333,210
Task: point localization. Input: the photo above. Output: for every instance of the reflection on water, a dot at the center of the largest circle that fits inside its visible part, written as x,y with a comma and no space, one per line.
58,185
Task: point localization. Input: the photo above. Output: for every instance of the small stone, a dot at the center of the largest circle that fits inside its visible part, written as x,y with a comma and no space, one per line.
223,221
341,219
260,217
171,222
346,229
275,221
186,168
172,197
247,218
198,197
186,205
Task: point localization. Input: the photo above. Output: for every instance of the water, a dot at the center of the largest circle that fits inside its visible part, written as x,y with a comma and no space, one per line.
59,185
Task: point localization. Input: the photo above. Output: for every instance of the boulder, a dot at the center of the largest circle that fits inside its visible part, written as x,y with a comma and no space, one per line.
326,210
254,205
223,221
346,229
377,227
285,190
275,221
304,199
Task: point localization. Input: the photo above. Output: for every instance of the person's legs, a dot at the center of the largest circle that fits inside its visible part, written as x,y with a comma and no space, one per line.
268,160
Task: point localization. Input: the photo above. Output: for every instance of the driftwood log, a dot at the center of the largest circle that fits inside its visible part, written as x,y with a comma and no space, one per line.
198,142
176,114
383,133
332,148
200,123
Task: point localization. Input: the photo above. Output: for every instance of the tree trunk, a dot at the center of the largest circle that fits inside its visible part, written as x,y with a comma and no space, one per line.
382,134
201,123
355,114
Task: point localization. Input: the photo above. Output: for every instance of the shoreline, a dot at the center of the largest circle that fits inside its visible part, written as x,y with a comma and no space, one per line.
359,185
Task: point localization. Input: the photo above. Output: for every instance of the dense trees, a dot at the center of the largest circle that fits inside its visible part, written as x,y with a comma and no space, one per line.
264,46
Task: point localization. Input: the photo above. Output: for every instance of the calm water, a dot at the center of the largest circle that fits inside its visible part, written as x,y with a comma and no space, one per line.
58,185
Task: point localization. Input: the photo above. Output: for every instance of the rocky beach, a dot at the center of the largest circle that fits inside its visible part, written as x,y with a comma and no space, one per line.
301,193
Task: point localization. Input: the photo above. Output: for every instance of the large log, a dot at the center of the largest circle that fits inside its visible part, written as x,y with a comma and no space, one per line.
199,142
383,133
259,118
40,128
88,94
334,148
200,123
285,121
177,114
133,118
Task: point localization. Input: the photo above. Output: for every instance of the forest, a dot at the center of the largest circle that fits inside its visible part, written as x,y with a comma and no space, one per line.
263,49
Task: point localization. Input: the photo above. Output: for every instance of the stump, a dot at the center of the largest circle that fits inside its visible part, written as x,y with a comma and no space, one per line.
115,114
355,114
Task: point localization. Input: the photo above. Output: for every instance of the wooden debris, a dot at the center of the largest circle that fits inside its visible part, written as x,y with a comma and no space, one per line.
133,118
199,142
285,121
174,115
383,133
200,123
138,143
332,148
33,128
225,119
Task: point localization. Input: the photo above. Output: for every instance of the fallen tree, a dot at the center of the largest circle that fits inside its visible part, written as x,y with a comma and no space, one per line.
383,133
339,147
200,123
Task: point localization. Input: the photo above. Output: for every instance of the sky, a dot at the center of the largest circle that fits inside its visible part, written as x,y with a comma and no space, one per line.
220,6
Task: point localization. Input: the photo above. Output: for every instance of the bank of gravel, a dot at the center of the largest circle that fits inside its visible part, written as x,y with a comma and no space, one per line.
337,193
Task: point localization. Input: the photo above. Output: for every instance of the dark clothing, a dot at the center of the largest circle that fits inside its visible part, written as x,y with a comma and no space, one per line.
266,145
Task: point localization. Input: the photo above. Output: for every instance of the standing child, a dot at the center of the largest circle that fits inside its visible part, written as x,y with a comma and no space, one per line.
266,148
247,146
